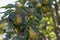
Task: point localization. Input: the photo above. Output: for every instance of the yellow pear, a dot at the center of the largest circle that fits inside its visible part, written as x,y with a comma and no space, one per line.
18,20
38,5
32,34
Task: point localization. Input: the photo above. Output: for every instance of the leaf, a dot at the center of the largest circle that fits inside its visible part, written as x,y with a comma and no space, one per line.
26,35
7,12
10,20
12,16
1,21
10,25
22,1
38,15
23,12
31,23
29,10
8,6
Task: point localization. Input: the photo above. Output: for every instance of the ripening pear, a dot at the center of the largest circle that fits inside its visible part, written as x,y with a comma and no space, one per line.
32,34
17,20
38,5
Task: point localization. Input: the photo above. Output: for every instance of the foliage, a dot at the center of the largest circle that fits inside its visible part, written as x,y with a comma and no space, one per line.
30,19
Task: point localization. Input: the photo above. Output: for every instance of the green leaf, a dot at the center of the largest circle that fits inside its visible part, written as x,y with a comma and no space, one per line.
26,35
7,12
12,16
1,21
8,6
10,25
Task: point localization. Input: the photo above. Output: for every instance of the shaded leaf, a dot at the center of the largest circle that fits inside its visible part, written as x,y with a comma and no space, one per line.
8,6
